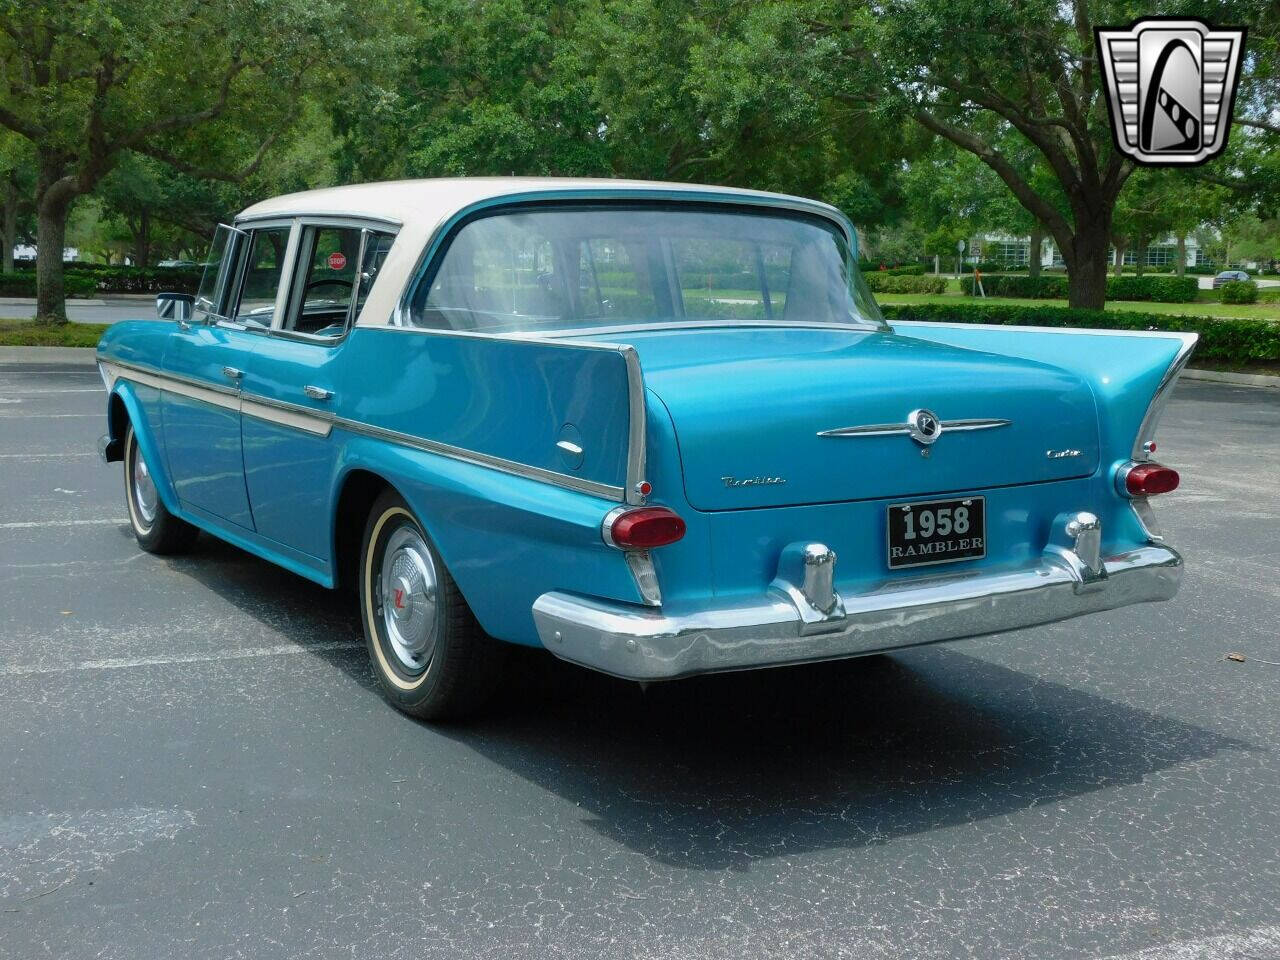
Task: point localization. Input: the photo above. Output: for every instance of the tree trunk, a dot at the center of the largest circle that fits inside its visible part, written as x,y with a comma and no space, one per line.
142,240
1140,255
1120,246
1033,254
1087,267
54,193
1182,254
10,239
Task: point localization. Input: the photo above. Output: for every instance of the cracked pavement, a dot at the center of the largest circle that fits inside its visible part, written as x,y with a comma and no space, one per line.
196,760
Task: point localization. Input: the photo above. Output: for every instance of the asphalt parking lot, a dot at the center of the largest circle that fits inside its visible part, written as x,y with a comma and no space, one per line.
196,762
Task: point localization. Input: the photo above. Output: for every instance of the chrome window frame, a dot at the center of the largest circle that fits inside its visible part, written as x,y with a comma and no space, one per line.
242,266
440,238
285,297
226,282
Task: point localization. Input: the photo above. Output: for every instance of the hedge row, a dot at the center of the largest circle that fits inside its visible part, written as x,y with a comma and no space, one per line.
1160,289
23,284
905,283
1233,341
105,280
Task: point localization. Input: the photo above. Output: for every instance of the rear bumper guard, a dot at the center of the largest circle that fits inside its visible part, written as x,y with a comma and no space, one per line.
787,625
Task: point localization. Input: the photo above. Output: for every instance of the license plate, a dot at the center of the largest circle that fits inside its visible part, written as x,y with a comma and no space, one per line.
937,531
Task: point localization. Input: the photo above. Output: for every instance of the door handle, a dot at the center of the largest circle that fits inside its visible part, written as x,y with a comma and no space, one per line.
317,393
232,373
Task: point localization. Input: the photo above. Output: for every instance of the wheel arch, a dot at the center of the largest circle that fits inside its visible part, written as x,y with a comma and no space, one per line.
125,408
358,490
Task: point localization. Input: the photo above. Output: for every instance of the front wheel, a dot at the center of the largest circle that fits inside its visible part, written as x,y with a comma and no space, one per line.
432,658
156,529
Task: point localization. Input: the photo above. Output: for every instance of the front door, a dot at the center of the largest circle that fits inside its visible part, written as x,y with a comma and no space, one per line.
206,363
201,417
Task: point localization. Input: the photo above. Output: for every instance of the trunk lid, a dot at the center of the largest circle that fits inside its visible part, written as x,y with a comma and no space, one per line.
748,406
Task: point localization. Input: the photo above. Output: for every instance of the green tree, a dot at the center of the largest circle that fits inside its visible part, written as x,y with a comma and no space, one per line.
16,185
205,86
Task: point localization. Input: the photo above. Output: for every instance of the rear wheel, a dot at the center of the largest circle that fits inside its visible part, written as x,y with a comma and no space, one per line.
156,529
431,657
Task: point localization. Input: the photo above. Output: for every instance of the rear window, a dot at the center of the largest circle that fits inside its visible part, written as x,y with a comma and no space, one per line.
561,268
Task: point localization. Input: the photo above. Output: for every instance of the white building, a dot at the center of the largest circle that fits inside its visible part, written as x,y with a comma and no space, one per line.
1016,251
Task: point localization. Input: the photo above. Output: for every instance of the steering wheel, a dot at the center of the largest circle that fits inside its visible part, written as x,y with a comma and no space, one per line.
327,281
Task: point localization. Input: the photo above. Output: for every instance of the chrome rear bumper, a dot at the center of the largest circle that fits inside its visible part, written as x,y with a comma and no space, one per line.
644,643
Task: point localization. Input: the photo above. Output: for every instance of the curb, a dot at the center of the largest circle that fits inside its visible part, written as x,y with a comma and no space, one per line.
71,301
86,356
1239,379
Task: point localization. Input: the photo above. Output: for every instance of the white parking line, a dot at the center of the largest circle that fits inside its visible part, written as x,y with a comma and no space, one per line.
51,416
24,391
1249,945
31,524
283,649
43,456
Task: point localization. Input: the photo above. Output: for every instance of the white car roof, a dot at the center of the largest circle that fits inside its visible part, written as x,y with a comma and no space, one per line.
418,209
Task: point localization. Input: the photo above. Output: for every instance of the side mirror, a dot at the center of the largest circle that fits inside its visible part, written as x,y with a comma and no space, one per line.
175,306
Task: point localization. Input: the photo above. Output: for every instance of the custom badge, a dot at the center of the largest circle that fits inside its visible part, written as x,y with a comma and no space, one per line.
1170,86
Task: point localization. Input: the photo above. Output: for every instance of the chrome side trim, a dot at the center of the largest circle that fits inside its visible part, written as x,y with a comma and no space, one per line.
887,429
320,423
602,490
1147,429
287,415
1065,331
642,643
217,395
636,416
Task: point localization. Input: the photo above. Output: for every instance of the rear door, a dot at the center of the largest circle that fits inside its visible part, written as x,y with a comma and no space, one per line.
289,394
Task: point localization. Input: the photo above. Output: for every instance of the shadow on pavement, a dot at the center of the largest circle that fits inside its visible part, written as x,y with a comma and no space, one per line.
717,772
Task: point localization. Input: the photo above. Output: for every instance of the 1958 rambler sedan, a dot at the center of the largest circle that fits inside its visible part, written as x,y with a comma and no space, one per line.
659,430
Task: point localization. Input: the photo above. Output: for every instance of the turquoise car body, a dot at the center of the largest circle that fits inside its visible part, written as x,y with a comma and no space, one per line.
470,428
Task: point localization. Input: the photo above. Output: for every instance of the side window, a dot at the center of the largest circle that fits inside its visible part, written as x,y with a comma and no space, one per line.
329,258
329,274
219,273
262,274
376,247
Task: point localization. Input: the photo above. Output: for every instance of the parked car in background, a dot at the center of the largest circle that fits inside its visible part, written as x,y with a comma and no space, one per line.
656,429
170,264
1227,276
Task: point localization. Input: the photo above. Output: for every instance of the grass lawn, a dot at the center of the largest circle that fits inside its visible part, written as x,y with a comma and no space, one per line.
27,333
1252,311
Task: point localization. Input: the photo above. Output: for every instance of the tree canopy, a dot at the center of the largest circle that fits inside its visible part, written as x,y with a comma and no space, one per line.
918,118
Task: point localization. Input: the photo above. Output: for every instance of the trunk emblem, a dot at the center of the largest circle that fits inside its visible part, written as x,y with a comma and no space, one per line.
922,426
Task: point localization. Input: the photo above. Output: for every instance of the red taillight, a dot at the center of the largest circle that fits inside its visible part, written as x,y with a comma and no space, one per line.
1148,479
645,527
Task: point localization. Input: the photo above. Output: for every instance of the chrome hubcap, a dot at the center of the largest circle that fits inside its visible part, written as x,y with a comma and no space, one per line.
407,595
144,488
